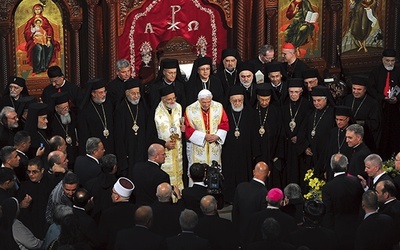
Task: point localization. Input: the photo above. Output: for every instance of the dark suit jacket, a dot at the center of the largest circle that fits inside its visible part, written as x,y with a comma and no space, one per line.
314,238
191,197
384,177
187,241
249,199
342,198
86,168
88,227
392,209
375,232
147,176
253,232
218,231
139,237
166,218
114,219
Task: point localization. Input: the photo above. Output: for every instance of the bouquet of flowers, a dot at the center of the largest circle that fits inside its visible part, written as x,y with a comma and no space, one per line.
390,168
315,186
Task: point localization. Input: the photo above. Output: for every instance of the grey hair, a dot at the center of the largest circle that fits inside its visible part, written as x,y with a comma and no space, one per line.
292,191
60,212
374,159
357,129
188,220
123,63
339,165
370,199
92,144
265,48
6,110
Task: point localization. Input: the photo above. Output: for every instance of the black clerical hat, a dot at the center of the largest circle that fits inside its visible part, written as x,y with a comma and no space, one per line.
236,90
389,53
60,97
358,80
295,83
169,63
320,91
264,91
96,84
17,80
344,111
132,83
274,67
54,71
166,90
38,108
229,52
310,73
246,66
203,61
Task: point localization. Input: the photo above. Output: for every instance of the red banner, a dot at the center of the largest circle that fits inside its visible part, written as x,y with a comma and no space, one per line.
160,20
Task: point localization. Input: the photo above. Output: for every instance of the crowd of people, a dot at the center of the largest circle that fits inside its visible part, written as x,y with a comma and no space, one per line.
121,165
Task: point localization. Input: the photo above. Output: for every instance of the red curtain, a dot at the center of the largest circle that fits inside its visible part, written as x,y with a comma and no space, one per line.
160,20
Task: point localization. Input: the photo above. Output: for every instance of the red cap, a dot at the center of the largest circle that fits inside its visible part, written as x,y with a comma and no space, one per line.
288,46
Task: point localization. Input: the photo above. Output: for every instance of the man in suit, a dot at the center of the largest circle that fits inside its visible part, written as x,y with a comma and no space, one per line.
116,88
373,168
264,57
376,231
386,192
139,236
354,139
187,239
148,175
250,198
274,199
165,213
119,216
191,196
342,198
88,166
87,225
217,230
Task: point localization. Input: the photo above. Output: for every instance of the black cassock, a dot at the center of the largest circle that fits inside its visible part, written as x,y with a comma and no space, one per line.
116,91
335,144
34,216
266,129
92,124
295,167
130,147
228,80
237,152
66,131
74,94
321,122
213,84
367,113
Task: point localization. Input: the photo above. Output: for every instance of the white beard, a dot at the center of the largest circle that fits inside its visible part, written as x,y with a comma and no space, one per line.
237,109
40,127
15,125
13,95
171,106
65,119
389,68
98,101
133,102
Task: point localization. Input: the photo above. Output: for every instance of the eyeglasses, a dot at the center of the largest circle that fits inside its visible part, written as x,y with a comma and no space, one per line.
28,172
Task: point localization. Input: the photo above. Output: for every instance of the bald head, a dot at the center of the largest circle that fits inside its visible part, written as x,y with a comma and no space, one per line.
164,192
208,205
261,171
144,216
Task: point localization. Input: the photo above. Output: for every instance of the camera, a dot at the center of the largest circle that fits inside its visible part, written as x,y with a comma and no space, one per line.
214,178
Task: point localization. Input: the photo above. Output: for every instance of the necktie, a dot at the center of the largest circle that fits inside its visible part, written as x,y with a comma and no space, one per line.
59,90
387,85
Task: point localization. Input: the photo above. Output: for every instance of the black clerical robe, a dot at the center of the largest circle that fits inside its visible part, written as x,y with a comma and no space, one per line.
367,113
68,132
294,151
116,91
294,70
228,79
93,119
237,151
130,146
74,94
213,84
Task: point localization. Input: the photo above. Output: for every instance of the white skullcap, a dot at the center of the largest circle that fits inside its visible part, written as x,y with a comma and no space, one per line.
204,93
124,187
